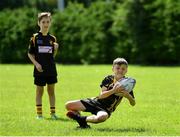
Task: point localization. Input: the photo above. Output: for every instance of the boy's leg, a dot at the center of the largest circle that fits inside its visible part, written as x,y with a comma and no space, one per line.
52,99
39,94
100,117
73,108
51,93
85,105
82,120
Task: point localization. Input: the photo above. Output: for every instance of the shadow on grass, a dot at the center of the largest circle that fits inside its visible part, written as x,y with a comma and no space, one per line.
59,119
122,130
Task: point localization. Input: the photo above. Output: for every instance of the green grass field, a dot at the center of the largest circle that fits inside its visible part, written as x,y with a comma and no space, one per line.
157,109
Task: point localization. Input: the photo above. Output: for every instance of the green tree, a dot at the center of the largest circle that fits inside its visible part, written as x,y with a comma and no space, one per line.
17,28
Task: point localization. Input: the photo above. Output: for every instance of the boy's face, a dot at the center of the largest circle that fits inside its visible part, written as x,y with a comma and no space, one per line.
44,24
119,70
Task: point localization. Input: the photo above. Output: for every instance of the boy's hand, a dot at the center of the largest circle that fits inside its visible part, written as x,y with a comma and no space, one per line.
125,93
39,67
118,88
129,97
56,46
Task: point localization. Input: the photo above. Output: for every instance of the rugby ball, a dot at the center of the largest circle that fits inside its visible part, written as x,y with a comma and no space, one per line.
128,83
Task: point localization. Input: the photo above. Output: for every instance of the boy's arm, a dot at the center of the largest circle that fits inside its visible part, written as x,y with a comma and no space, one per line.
106,93
56,45
36,64
129,97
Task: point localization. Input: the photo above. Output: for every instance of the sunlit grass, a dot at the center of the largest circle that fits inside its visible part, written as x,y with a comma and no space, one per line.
157,96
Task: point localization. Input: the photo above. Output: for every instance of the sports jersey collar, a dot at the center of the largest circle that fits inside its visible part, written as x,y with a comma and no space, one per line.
114,80
42,34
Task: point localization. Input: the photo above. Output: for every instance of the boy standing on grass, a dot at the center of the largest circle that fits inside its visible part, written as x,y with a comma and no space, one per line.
41,52
103,105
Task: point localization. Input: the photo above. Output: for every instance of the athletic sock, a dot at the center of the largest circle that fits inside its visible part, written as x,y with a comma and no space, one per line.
52,110
39,110
80,119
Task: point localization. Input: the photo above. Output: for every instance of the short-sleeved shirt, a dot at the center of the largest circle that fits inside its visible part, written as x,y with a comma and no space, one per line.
43,49
111,102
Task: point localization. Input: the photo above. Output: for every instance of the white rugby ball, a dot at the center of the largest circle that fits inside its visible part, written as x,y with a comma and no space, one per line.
128,83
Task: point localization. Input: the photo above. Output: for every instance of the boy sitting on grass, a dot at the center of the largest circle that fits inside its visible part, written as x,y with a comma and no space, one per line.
103,105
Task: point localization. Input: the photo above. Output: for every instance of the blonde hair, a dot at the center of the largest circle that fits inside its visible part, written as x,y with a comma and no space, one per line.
43,14
120,61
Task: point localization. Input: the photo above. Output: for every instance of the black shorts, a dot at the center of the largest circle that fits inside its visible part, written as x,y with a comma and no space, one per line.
43,80
93,106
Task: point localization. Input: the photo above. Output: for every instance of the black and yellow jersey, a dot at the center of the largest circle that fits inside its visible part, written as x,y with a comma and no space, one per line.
111,102
43,49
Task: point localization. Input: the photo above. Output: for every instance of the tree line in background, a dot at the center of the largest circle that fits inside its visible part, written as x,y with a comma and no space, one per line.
142,31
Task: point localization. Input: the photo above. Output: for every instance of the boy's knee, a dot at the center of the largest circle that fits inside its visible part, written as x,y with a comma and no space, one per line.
102,118
68,105
39,94
51,92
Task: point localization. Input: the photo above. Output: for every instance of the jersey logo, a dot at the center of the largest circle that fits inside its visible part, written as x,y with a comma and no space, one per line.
44,49
39,41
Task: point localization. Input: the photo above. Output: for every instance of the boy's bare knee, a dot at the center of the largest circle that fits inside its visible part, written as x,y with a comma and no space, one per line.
39,94
68,105
50,93
102,118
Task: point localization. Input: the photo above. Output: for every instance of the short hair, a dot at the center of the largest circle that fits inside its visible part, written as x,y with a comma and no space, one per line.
43,14
120,61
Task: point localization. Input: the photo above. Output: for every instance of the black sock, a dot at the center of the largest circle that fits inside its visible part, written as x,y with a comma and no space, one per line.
81,120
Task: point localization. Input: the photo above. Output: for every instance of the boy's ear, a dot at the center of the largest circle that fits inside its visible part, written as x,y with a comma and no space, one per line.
126,70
